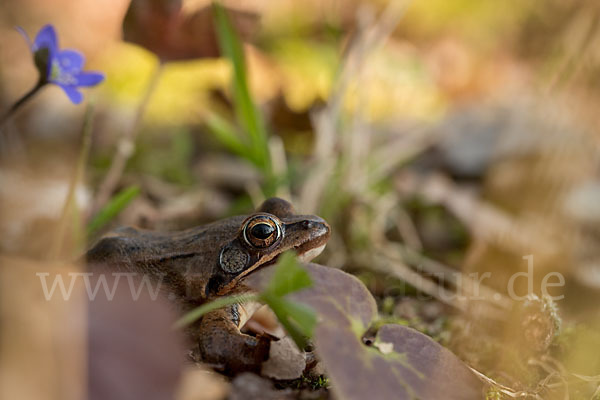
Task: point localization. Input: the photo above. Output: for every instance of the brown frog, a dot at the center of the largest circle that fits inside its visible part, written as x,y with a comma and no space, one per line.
200,264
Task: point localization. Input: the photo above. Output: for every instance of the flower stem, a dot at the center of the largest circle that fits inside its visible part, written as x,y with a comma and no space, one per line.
15,107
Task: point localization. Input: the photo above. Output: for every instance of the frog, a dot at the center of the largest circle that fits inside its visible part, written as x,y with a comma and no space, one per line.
204,263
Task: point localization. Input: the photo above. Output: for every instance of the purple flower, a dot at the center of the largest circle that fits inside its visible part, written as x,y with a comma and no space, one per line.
60,67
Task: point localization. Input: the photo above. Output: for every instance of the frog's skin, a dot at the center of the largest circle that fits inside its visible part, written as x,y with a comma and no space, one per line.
203,263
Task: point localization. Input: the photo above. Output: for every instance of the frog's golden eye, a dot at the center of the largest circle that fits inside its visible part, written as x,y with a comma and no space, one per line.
261,231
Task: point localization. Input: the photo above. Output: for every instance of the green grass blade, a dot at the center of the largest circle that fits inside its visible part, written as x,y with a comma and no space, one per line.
297,320
213,305
112,208
303,316
288,276
246,111
225,133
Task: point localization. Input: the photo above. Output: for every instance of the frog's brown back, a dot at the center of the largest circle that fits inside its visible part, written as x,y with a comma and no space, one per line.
184,261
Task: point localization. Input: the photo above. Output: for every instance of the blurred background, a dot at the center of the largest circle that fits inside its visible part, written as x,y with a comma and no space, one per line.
442,140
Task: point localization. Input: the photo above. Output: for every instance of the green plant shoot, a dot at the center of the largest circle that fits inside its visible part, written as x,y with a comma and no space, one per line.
112,208
297,319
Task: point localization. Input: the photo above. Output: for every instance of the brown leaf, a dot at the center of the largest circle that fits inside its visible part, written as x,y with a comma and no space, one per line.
133,353
334,294
402,363
172,33
432,371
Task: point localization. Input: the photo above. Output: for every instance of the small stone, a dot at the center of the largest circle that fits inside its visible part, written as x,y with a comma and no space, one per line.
285,360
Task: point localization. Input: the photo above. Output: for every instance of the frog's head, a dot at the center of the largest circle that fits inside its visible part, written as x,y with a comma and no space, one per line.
264,235
211,259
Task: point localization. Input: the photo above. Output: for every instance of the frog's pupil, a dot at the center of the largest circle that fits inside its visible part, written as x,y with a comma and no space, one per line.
262,231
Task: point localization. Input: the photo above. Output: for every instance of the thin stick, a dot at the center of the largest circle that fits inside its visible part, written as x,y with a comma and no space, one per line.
403,272
279,166
77,177
574,61
326,121
465,284
126,145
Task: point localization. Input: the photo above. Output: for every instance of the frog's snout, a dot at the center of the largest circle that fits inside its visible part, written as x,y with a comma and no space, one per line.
317,227
316,224
316,232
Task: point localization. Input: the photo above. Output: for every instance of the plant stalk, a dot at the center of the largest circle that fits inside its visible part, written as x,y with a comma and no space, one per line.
12,111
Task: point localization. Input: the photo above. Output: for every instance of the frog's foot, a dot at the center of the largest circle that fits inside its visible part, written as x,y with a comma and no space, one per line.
223,346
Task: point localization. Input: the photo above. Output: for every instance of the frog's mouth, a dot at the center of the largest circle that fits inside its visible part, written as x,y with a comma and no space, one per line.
311,254
315,241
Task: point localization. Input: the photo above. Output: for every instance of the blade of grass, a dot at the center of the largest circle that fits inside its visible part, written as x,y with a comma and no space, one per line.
303,316
196,313
288,277
112,208
246,110
297,319
225,133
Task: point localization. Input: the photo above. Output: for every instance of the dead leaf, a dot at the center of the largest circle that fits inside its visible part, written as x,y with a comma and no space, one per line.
132,351
432,371
173,33
403,364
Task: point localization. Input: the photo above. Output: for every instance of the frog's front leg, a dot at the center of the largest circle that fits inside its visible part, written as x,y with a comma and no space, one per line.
221,343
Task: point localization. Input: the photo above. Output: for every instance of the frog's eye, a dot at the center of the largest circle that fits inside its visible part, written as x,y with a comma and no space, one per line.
261,231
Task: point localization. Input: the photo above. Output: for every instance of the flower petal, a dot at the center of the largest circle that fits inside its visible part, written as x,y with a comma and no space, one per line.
46,37
70,61
89,78
74,95
25,35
